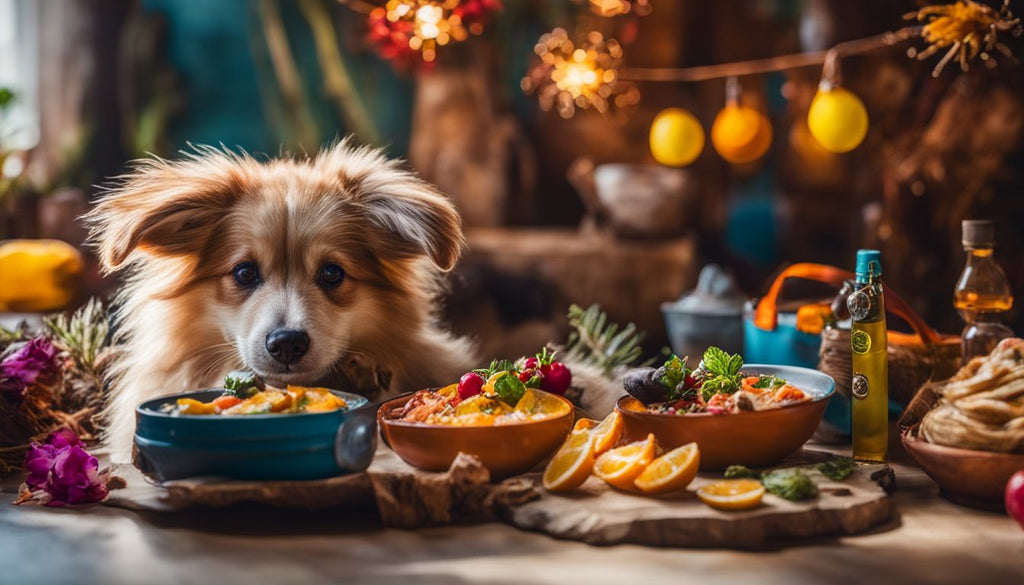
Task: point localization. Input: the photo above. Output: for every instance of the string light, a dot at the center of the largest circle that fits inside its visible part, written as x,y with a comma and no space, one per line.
584,75
609,8
405,28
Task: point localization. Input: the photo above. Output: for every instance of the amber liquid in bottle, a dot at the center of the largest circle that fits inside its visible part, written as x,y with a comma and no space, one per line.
982,296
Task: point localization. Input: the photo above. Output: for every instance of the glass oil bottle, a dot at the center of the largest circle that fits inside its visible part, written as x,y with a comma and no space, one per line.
870,382
982,293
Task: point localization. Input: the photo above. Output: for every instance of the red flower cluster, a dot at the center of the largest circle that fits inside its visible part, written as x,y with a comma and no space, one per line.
395,38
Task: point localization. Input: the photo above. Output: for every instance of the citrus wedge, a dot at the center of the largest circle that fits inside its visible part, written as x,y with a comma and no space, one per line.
572,465
584,424
621,466
671,472
607,433
732,494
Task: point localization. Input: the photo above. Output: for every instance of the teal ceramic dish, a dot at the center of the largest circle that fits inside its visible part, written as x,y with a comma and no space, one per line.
300,446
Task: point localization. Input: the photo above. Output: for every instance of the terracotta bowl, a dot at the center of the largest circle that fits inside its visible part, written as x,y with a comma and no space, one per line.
754,439
505,450
965,476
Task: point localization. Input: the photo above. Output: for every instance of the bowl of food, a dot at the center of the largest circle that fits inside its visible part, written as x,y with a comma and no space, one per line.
738,414
967,433
500,414
246,430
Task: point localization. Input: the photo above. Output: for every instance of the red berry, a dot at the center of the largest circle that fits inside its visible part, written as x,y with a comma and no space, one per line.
470,385
689,381
557,378
531,363
525,376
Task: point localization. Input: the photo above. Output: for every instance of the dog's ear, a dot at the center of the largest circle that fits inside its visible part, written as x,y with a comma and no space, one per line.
421,217
416,217
164,208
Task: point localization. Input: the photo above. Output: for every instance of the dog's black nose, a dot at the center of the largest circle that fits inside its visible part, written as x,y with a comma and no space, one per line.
287,345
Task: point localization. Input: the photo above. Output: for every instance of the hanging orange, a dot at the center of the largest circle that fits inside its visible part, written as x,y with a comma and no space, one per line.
741,134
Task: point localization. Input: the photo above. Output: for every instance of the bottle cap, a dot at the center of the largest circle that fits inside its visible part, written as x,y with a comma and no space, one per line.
978,233
869,262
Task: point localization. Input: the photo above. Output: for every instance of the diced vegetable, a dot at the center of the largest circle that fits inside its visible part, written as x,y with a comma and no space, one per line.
192,406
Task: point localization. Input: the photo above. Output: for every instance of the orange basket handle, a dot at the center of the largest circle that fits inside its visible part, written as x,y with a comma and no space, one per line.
766,314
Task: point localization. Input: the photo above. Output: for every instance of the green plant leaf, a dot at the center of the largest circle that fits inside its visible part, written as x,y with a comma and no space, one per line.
509,389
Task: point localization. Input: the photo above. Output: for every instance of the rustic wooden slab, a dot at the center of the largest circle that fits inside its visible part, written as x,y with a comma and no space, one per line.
599,514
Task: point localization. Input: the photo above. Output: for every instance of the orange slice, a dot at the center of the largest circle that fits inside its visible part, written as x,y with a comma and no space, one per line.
621,466
732,494
607,433
584,424
671,472
572,465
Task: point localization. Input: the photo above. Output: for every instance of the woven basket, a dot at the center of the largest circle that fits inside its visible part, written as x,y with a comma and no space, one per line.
914,359
910,366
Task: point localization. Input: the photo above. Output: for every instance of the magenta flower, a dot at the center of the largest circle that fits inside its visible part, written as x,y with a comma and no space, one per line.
64,471
22,368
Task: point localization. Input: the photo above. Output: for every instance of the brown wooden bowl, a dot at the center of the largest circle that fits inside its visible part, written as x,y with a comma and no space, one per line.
965,476
754,439
505,450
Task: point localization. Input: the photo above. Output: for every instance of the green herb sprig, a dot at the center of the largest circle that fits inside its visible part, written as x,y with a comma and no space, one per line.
723,372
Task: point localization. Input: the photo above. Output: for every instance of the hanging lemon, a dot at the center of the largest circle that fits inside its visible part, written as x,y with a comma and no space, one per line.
837,119
741,134
677,138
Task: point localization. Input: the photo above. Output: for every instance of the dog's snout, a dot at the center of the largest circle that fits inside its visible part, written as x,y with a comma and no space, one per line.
287,345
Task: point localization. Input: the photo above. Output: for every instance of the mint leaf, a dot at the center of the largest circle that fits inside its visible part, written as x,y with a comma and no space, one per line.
509,389
837,469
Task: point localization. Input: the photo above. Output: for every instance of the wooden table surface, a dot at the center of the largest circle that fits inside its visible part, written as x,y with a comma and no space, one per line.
929,541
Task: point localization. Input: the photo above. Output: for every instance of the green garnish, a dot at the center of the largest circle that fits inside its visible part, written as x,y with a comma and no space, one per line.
723,373
741,472
242,384
675,372
495,367
837,469
509,389
791,484
769,382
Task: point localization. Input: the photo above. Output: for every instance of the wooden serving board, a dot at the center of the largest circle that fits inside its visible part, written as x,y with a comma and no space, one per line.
596,513
599,514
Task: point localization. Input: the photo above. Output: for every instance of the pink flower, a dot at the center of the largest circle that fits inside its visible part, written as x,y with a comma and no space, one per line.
22,368
63,470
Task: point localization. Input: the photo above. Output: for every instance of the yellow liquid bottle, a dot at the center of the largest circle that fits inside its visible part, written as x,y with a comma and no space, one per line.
870,382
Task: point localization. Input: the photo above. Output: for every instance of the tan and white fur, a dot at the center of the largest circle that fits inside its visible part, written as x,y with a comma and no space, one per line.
181,229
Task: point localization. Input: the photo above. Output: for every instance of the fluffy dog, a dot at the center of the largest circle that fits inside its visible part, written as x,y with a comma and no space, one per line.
297,269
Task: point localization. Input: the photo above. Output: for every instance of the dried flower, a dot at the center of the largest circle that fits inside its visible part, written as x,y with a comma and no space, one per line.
21,369
968,29
61,472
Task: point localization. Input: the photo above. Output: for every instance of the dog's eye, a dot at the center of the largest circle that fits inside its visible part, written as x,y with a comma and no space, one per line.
246,274
331,275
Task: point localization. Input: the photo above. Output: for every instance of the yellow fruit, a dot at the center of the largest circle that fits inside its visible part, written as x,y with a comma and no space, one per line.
677,138
621,466
607,433
741,134
38,275
671,472
732,494
837,119
572,465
